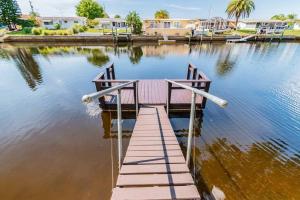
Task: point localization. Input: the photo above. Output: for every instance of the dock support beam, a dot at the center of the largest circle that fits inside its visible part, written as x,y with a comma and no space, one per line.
191,128
119,128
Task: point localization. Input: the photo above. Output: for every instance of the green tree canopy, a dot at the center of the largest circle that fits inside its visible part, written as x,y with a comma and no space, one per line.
292,16
279,17
162,14
89,9
134,21
117,16
240,9
9,13
105,15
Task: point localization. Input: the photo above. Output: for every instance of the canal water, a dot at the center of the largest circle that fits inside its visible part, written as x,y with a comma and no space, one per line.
52,148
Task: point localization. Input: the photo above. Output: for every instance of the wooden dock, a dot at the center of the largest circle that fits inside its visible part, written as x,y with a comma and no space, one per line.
154,166
152,92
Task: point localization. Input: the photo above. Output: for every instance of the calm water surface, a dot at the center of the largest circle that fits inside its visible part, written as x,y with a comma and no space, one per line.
50,148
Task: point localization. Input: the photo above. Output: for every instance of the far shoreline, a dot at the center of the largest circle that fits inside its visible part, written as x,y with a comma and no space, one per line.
140,39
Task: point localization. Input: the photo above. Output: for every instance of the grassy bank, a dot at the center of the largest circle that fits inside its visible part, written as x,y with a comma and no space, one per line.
292,32
91,30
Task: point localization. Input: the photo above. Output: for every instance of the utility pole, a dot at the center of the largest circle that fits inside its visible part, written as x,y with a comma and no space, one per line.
31,6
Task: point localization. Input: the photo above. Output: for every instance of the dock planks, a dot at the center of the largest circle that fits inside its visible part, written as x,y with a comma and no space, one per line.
154,166
152,92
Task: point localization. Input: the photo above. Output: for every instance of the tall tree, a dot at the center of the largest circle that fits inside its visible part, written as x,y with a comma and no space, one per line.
117,16
292,16
33,15
240,9
134,21
279,17
9,13
90,9
162,14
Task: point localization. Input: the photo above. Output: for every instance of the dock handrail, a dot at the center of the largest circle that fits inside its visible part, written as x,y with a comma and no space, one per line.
90,97
220,102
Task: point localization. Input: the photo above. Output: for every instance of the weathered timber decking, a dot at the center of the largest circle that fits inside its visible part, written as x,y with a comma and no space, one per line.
152,92
154,166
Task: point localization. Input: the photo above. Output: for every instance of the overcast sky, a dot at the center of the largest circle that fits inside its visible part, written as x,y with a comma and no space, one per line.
176,8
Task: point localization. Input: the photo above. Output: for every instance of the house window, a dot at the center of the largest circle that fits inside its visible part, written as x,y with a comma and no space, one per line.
66,21
48,23
167,24
76,22
114,24
152,25
177,24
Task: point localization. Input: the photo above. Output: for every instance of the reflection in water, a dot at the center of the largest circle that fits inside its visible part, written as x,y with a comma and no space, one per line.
97,57
26,65
110,127
263,168
135,54
225,63
250,150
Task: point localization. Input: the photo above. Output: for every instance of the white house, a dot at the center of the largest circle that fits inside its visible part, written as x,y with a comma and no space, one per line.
65,22
252,24
109,23
297,25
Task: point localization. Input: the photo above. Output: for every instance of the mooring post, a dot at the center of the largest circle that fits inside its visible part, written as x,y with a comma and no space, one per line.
119,128
191,128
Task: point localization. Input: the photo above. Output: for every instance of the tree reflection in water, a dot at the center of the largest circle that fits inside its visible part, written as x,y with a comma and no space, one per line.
135,54
229,167
225,62
97,57
26,65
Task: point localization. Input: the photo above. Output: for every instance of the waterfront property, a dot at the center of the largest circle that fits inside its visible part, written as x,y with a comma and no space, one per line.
253,24
64,22
175,27
45,127
296,25
111,23
215,24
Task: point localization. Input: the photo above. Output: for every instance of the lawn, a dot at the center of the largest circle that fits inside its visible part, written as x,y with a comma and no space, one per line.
22,32
92,30
292,32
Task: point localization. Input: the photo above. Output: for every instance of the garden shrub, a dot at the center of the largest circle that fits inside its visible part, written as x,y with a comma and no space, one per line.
27,30
57,26
37,31
77,28
58,32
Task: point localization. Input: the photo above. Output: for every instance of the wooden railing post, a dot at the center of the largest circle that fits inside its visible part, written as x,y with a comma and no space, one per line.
113,75
188,73
108,76
99,87
194,75
207,85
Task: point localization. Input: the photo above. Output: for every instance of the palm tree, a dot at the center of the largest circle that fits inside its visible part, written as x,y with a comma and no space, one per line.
161,14
281,17
292,16
240,8
134,21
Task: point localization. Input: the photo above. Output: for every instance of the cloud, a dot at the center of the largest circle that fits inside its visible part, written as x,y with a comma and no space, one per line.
183,7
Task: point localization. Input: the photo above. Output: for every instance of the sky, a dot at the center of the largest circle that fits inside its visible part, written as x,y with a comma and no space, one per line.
177,8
